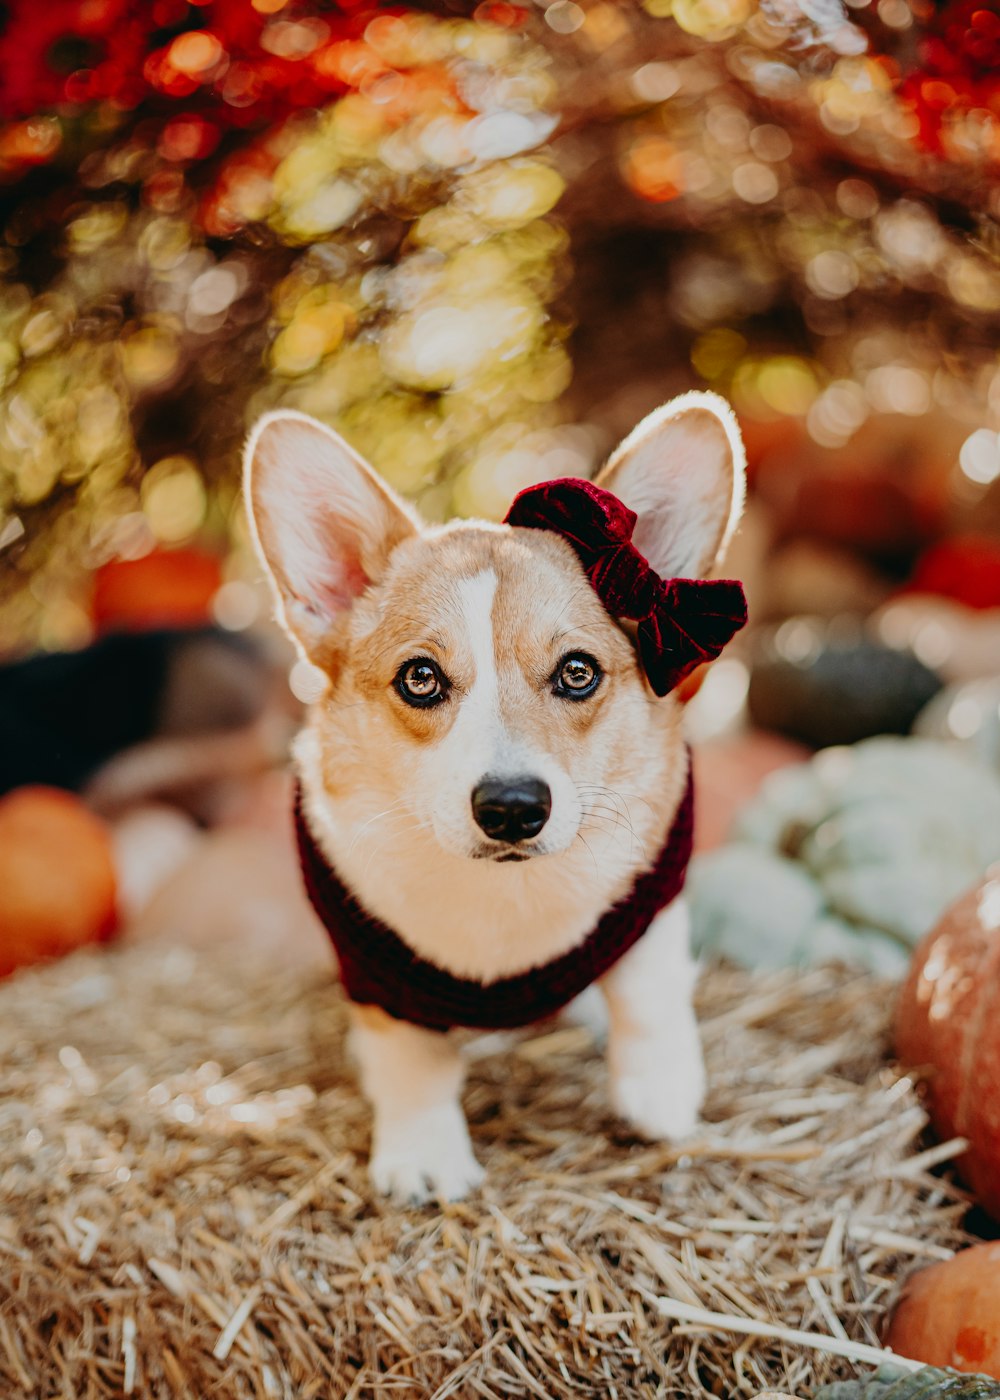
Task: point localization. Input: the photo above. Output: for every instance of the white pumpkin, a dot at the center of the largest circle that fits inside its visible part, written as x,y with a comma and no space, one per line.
852,856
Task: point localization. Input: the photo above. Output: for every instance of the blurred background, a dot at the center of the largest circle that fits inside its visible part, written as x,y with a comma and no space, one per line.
482,241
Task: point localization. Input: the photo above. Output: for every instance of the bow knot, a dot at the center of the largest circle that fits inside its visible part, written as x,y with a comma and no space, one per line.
682,622
621,575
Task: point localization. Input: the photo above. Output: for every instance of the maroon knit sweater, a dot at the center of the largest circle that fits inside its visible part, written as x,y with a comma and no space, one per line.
379,969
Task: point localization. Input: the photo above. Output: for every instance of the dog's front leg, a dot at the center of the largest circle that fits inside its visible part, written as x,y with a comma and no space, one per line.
413,1079
654,1050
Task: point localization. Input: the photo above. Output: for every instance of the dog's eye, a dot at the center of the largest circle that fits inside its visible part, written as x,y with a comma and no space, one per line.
420,682
577,676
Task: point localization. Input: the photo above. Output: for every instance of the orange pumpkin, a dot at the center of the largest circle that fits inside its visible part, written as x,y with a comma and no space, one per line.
965,567
166,588
57,879
949,1314
948,1020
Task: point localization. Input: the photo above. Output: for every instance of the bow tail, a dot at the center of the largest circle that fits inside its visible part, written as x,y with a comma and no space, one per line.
667,662
690,625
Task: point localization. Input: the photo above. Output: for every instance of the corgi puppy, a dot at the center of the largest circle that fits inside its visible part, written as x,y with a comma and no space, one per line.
488,770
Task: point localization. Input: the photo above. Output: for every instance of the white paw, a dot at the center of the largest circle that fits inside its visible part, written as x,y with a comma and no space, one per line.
416,1171
657,1111
660,1103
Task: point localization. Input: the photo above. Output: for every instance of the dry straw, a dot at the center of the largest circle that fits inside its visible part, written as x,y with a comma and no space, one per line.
184,1210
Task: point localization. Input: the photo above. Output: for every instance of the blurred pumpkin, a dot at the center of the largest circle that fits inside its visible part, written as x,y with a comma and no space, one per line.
948,1019
891,1382
57,879
165,588
852,856
966,568
238,886
949,1314
968,715
829,681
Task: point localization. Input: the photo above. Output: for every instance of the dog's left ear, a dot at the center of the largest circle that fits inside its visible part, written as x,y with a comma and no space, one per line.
682,471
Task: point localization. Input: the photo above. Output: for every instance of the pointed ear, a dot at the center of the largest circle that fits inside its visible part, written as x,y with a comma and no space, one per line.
682,471
323,523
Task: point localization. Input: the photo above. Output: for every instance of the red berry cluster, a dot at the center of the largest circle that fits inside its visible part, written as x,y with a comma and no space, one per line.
959,74
225,63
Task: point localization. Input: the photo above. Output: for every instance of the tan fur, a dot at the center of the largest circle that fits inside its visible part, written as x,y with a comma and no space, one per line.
371,1018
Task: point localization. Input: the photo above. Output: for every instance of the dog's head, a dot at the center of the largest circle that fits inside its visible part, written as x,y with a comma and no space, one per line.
478,691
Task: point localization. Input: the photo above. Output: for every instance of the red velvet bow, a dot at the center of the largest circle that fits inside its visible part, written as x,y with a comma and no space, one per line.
682,621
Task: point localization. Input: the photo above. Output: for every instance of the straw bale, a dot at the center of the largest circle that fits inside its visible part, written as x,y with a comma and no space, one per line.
184,1209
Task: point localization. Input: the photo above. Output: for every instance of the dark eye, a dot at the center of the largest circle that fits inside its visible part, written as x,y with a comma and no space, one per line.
420,682
577,676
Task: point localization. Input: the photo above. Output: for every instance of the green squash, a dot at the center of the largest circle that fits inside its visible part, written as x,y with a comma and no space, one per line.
930,1383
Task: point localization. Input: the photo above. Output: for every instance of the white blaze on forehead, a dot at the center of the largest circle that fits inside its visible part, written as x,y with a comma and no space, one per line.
476,739
476,597
450,769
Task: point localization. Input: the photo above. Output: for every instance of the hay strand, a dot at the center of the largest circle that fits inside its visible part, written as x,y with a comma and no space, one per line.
752,1327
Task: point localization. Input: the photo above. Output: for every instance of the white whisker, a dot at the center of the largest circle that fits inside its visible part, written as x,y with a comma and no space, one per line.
379,816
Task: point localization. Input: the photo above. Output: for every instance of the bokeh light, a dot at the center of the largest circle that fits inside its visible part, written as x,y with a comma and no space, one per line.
402,222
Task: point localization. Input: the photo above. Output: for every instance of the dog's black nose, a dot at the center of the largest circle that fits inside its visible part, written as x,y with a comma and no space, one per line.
511,809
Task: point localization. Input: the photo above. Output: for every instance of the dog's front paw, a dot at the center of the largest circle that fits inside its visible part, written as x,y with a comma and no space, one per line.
659,1100
425,1167
655,1110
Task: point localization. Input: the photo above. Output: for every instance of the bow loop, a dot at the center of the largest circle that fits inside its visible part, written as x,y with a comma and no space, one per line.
682,622
625,583
591,520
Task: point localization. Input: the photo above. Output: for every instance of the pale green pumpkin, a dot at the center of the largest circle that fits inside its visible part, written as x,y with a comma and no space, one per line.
850,857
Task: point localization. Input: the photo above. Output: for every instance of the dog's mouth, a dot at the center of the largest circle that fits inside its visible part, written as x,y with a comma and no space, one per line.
503,855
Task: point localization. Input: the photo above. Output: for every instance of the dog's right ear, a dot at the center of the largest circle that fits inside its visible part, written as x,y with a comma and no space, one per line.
323,523
682,471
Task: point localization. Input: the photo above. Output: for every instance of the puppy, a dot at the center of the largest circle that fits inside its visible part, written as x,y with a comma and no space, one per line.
490,775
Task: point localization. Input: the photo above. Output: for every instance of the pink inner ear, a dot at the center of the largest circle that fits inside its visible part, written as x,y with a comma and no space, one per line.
338,580
317,554
325,525
353,579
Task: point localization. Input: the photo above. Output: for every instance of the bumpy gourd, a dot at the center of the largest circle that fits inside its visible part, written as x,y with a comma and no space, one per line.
852,856
888,1383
